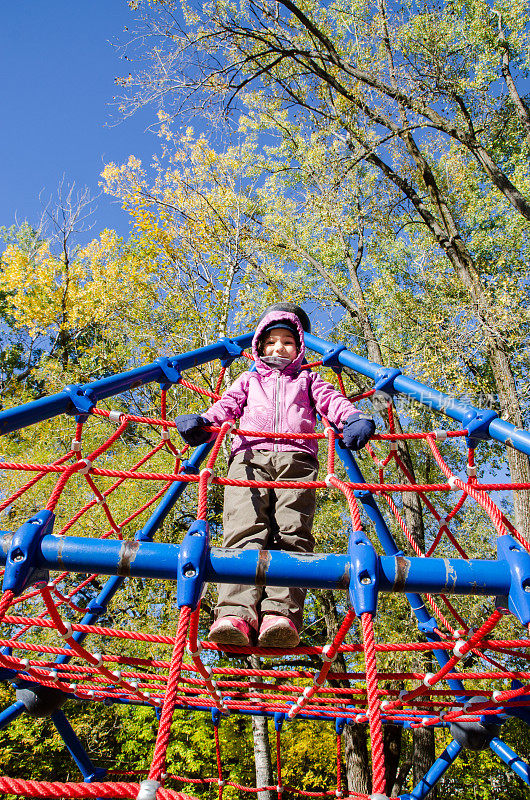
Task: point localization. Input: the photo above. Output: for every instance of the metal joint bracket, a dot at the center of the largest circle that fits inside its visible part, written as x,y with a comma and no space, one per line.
216,716
279,719
331,357
518,560
477,421
192,563
233,351
427,627
364,573
20,571
82,400
93,607
171,373
340,724
385,380
188,468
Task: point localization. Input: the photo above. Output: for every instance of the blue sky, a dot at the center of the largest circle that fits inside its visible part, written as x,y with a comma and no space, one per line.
58,68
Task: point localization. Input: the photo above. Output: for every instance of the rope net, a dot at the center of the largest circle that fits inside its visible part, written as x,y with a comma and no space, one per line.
372,671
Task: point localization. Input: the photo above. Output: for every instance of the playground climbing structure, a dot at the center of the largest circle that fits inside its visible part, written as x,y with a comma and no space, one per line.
56,649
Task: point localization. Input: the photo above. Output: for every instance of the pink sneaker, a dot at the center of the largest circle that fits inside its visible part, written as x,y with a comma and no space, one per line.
276,631
230,630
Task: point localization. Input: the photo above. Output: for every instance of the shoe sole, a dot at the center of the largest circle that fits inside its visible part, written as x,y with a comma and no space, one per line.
279,637
230,636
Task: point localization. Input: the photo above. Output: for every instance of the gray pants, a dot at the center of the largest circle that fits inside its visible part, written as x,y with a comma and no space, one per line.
267,519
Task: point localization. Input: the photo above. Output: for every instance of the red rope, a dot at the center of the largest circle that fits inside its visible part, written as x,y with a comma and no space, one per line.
374,709
73,790
164,729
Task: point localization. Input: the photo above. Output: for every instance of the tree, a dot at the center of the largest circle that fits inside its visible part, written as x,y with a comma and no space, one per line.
400,89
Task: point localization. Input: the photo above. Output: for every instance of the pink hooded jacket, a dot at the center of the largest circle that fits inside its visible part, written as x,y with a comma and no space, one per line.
287,401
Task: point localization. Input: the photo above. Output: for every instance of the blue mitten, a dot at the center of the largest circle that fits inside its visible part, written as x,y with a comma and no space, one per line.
357,430
192,428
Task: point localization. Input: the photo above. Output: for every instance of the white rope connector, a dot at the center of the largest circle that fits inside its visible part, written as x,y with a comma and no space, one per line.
24,662
91,694
117,674
328,431
54,675
76,445
471,471
148,790
100,500
318,680
384,704
458,634
452,482
73,687
328,478
308,692
68,632
403,694
428,678
134,684
293,711
194,653
338,793
496,696
164,435
209,472
442,522
157,701
359,717
220,782
325,654
279,788
99,658
88,466
440,435
424,721
457,649
393,447
115,416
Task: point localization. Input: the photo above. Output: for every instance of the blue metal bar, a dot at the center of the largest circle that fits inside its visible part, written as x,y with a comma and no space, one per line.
433,775
98,605
425,622
11,713
498,429
89,772
224,565
515,762
47,407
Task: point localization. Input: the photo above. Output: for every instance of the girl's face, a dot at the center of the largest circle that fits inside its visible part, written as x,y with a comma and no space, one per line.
280,342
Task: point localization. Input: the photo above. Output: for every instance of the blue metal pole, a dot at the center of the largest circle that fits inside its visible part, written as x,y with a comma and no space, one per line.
433,775
89,772
47,407
224,565
98,605
425,622
498,429
11,713
515,762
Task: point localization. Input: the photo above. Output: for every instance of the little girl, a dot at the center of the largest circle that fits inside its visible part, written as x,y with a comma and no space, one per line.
277,396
